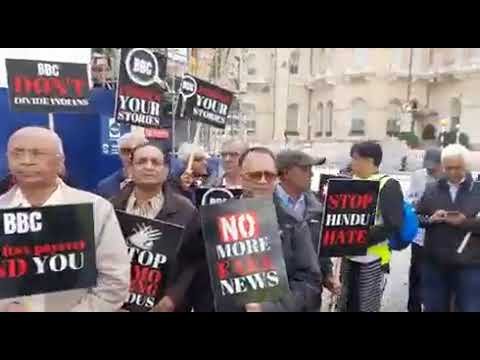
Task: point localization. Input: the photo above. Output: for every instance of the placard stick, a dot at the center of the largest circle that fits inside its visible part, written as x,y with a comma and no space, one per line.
51,122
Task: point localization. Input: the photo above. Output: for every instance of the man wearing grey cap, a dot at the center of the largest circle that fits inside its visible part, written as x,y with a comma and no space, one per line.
293,192
432,171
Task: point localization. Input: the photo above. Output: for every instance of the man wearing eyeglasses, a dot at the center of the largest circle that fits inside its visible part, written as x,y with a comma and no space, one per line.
114,183
231,151
293,193
146,196
35,158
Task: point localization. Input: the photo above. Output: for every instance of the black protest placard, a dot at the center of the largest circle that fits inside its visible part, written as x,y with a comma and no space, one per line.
322,187
211,196
140,97
349,211
204,102
48,87
152,246
47,249
244,253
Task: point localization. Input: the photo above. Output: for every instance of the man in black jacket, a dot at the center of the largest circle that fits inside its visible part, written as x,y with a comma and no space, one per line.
147,197
259,175
449,211
293,193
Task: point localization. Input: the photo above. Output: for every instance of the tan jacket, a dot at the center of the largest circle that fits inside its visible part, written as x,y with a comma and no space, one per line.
113,262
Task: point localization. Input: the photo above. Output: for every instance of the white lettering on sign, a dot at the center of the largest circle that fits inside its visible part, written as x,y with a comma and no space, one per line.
142,66
22,222
48,70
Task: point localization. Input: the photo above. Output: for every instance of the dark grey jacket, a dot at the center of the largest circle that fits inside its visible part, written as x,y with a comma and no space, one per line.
442,240
313,217
301,264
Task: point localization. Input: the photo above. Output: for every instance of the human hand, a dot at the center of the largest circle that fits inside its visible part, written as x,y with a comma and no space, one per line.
166,304
438,216
253,307
333,285
186,180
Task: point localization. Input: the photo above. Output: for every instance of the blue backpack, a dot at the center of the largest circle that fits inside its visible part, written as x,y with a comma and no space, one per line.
403,238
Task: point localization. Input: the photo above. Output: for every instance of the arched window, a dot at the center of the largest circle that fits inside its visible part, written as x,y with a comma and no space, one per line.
455,112
320,119
475,55
292,118
329,130
294,61
359,117
394,117
250,113
251,59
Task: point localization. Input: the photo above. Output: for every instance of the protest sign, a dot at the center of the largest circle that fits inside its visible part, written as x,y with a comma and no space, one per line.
46,250
48,87
152,246
244,253
210,196
140,97
204,102
349,211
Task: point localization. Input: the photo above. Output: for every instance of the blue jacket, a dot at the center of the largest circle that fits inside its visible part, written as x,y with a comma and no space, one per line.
110,186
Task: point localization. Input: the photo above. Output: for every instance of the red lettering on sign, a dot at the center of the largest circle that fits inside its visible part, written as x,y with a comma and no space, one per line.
238,227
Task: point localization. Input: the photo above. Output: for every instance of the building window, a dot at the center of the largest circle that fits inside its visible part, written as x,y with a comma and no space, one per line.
455,113
475,55
329,130
359,117
360,57
294,62
394,117
292,118
251,59
322,60
320,120
250,113
397,58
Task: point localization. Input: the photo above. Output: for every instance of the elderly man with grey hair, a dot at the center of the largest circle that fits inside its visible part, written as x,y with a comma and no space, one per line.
193,172
449,210
35,158
114,183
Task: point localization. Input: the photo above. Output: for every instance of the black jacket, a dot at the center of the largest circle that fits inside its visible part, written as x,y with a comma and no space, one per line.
176,210
391,207
313,217
301,264
442,240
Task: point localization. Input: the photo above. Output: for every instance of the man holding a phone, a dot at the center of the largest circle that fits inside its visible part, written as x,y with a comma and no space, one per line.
448,210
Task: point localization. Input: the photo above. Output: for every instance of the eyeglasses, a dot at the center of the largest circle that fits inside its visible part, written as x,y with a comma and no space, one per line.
258,176
200,158
229,154
145,161
126,151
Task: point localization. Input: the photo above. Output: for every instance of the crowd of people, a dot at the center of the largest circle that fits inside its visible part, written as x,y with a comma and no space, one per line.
445,263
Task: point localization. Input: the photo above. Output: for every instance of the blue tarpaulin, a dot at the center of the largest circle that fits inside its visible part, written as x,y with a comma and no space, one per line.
86,137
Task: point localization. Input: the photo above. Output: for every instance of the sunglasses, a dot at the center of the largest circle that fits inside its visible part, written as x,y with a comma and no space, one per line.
258,176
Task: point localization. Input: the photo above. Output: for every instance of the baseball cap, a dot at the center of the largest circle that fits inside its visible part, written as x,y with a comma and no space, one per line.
289,158
432,158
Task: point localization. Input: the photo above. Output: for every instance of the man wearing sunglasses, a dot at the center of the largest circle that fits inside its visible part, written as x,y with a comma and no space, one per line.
259,178
293,193
114,183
